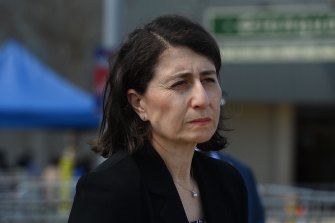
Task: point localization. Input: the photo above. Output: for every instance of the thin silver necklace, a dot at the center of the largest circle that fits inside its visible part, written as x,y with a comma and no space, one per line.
193,192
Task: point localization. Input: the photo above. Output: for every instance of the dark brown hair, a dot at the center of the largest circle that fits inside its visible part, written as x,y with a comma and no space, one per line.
133,68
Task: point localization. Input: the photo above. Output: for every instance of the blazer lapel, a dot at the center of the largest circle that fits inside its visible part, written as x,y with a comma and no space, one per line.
212,194
163,194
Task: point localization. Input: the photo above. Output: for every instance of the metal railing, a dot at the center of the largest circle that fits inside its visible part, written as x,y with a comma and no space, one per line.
23,199
34,200
297,204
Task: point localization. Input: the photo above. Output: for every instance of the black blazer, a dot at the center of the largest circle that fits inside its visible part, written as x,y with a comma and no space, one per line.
138,188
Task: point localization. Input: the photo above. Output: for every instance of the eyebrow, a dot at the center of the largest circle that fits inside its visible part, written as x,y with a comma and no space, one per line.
185,74
207,72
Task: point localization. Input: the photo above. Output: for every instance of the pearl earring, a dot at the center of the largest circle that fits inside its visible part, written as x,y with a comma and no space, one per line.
222,102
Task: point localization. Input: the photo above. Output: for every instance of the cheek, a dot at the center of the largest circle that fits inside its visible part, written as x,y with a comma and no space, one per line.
216,101
157,104
216,97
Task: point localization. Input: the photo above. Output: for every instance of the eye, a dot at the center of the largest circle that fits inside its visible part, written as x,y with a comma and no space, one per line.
209,80
179,84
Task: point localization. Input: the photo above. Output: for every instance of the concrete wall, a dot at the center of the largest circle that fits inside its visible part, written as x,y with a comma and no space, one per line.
263,138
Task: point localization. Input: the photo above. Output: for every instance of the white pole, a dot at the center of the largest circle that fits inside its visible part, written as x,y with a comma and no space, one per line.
111,10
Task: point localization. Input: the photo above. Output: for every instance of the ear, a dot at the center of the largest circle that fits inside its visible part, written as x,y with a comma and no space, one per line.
135,100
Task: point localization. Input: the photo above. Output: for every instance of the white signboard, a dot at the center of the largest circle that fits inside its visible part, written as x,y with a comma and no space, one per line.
278,33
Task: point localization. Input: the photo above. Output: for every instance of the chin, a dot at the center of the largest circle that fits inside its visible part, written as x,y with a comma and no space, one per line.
202,139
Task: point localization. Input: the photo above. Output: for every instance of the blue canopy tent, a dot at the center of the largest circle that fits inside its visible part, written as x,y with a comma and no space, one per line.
34,96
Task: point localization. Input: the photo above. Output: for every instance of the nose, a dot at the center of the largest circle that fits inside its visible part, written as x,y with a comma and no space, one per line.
200,97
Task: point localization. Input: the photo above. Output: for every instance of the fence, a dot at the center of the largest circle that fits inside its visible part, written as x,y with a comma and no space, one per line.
32,200
287,204
29,200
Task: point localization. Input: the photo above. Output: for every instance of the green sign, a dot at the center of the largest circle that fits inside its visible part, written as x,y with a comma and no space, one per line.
275,23
274,34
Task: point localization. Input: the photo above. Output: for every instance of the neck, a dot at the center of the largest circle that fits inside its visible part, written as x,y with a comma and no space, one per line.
177,158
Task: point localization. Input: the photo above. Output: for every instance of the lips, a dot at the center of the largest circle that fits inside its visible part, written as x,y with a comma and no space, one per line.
201,120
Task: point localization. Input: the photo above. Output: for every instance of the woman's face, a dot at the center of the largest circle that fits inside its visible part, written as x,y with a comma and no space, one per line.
182,101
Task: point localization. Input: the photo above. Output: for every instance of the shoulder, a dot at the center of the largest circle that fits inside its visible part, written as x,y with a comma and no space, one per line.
223,178
116,178
117,170
221,166
224,172
243,168
112,189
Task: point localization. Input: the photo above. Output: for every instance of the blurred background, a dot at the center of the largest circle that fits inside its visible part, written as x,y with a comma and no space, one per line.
278,76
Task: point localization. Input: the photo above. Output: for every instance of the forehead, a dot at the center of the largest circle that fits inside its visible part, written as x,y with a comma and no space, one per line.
181,59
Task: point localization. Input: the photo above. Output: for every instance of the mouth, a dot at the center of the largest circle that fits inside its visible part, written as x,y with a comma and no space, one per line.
200,121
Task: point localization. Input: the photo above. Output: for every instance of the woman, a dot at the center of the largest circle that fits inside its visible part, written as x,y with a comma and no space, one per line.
162,101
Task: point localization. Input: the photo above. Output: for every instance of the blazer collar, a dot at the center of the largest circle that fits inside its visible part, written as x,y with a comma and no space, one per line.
211,192
159,182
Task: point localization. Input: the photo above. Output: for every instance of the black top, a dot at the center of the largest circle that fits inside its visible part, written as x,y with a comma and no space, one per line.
201,220
139,188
